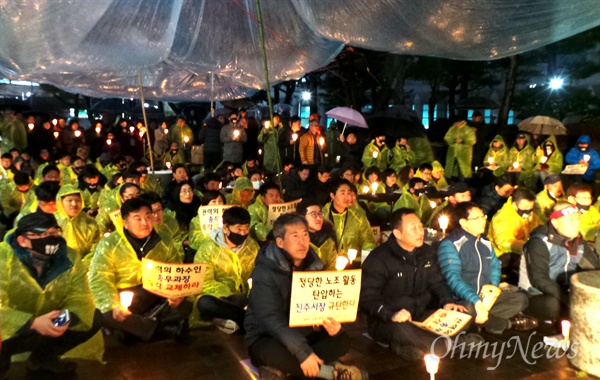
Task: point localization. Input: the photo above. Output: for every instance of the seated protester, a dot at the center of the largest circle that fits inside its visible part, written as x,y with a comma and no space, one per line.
497,158
548,160
64,164
351,174
372,175
376,153
259,211
180,175
77,166
43,201
91,183
163,222
414,197
402,155
584,154
256,177
229,253
580,196
235,173
12,197
210,198
50,173
79,229
6,163
320,185
468,262
352,229
522,153
457,193
184,207
511,226
174,156
116,267
437,175
424,173
274,347
118,163
242,193
553,253
211,182
321,232
109,200
109,218
298,185
547,198
250,165
404,175
495,195
401,280
288,167
390,181
37,283
148,182
115,181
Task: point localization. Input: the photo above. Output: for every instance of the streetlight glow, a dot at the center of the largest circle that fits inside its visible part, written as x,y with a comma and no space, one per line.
556,83
306,95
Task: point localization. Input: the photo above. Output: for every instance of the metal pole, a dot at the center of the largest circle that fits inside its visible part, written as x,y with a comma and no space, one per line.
212,94
265,63
143,101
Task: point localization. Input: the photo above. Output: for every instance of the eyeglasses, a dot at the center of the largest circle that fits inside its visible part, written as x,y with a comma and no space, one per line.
187,192
157,211
315,214
484,217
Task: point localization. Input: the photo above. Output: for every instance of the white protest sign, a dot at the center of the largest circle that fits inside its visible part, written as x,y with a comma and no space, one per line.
444,322
211,217
278,209
318,295
577,169
172,280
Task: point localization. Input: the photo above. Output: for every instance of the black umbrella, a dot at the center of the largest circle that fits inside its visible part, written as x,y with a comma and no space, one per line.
397,122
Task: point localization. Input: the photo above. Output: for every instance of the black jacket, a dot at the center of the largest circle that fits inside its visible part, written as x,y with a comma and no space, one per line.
210,136
393,279
490,201
269,302
295,187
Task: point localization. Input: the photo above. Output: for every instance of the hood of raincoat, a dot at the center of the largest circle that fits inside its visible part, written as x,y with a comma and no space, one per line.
527,142
240,185
437,166
585,139
501,139
63,192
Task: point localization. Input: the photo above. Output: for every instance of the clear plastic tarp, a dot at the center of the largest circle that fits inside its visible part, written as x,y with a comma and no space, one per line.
203,49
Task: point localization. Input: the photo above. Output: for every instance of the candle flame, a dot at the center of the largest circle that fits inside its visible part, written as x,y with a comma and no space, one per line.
375,154
186,139
77,133
490,160
352,253
31,126
295,136
55,135
126,299
515,165
108,141
432,363
341,262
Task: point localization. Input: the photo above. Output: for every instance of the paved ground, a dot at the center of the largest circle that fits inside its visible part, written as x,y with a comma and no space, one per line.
214,355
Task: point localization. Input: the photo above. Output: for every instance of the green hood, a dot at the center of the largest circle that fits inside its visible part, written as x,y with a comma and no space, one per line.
63,192
498,138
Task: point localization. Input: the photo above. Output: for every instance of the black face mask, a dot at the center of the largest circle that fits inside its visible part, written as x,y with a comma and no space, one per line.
47,246
582,207
524,213
419,192
237,239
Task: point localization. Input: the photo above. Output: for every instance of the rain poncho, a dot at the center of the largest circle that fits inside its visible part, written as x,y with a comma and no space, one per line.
423,150
440,183
326,252
588,225
269,137
422,207
13,135
11,199
575,155
401,158
460,154
259,220
352,230
381,161
177,134
92,200
508,231
554,163
525,159
106,215
65,287
174,158
151,185
81,232
499,157
544,203
115,266
68,176
241,184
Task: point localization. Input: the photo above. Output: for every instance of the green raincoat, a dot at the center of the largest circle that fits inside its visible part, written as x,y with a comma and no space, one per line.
460,155
81,232
115,266
553,164
13,135
327,253
11,199
401,158
499,157
440,183
588,225
381,161
177,134
241,184
525,159
174,159
111,203
544,204
422,207
92,200
352,229
423,150
259,220
151,185
269,137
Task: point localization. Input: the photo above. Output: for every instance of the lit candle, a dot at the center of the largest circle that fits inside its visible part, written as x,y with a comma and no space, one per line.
341,262
98,129
491,160
295,136
126,299
168,164
375,154
515,165
432,364
443,222
586,157
78,133
365,189
267,124
186,139
338,159
250,283
108,141
236,134
141,134
107,234
432,204
321,141
544,159
54,122
166,131
31,126
374,187
259,152
566,329
352,253
55,135
131,129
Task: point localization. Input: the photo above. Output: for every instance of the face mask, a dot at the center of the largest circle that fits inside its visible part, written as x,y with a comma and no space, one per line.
583,208
419,192
524,213
403,147
237,239
256,184
48,245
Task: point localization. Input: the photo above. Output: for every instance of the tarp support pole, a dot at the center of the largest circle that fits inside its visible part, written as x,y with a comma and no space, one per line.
264,54
143,102
212,94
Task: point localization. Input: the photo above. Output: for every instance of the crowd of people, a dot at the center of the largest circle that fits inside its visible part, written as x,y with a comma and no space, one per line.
80,211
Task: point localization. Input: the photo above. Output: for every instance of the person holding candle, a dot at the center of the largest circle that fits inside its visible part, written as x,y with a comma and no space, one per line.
457,193
116,267
269,138
414,197
584,154
521,158
242,194
376,153
233,138
460,139
552,255
401,280
402,155
274,347
229,253
549,160
289,140
468,262
174,155
497,157
313,145
179,131
547,198
38,281
259,211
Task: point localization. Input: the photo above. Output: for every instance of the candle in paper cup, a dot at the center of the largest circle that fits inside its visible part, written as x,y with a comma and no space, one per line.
352,253
544,159
491,160
77,133
365,189
250,283
236,134
338,159
259,152
341,262
375,154
187,139
515,165
168,165
31,126
443,222
131,129
363,255
586,157
166,131
54,122
126,299
321,141
98,129
295,136
432,364
108,141
141,134
55,135
374,187
432,204
267,124
566,329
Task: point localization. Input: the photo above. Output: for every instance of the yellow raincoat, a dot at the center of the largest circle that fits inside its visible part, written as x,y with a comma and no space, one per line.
177,134
81,231
440,183
352,229
259,220
422,207
241,184
11,199
508,231
460,154
588,225
327,253
66,288
553,164
423,150
499,157
381,161
525,159
115,266
151,185
401,158
544,204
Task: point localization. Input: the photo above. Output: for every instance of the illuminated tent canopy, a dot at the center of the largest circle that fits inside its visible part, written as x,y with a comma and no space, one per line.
198,49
